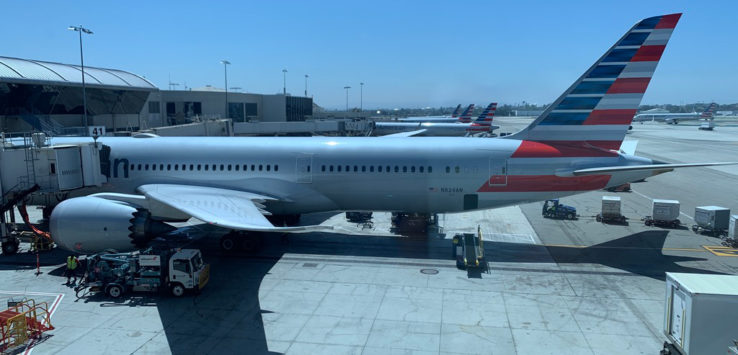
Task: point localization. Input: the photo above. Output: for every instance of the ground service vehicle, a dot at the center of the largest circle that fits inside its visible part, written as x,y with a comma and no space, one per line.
611,210
178,270
554,209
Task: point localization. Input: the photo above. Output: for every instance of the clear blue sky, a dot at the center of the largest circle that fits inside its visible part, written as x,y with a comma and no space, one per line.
408,53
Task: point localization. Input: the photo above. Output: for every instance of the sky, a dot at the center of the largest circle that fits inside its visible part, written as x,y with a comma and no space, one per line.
407,53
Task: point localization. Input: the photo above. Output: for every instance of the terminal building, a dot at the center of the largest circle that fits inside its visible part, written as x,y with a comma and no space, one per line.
45,96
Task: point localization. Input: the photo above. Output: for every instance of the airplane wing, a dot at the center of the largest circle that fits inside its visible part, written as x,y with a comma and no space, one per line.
404,134
221,207
657,168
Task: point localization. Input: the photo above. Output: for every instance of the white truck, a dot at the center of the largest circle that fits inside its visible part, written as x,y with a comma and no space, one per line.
700,314
665,213
177,270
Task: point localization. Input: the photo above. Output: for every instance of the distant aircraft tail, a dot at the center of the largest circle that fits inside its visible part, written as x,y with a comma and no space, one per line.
592,116
483,123
465,116
456,111
709,112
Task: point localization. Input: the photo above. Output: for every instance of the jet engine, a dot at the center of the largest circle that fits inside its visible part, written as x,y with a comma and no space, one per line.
92,224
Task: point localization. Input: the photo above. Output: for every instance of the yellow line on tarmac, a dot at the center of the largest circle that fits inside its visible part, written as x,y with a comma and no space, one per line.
721,251
604,247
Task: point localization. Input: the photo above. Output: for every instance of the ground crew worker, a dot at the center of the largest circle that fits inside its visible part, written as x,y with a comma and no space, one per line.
72,263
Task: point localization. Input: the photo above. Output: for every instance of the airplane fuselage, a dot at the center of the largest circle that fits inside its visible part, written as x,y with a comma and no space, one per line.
423,174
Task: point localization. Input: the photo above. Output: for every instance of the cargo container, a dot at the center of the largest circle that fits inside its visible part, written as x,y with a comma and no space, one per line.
701,312
610,210
711,219
732,227
665,213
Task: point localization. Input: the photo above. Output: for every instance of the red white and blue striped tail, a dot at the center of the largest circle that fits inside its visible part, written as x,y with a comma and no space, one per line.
487,115
592,116
465,116
456,111
710,111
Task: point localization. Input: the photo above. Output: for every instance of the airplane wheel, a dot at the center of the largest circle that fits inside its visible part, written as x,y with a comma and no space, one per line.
228,242
251,243
10,248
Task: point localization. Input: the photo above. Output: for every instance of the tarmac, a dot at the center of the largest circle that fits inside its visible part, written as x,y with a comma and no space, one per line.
550,286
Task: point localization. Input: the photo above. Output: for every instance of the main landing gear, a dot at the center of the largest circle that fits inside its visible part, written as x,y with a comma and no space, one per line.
251,242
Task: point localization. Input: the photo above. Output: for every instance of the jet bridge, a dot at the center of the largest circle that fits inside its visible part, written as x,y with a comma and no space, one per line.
31,167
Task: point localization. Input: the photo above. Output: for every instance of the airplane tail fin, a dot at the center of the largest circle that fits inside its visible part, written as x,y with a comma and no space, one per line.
709,112
594,113
456,111
465,116
487,115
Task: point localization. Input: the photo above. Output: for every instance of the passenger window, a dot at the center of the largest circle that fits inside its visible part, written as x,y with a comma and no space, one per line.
221,167
430,169
261,167
457,169
229,167
199,167
379,168
348,168
339,168
147,166
412,169
253,167
269,167
192,166
245,167
237,166
397,169
363,168
322,168
388,169
133,167
161,166
448,170
356,168
206,167
139,166
371,168
176,167
404,169
153,167
330,168
169,167
276,167
421,169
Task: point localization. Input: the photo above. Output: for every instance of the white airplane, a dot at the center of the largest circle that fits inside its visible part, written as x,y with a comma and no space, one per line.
483,124
236,182
674,118
437,119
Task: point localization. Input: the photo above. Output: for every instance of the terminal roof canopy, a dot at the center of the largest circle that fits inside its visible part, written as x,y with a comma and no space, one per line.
35,71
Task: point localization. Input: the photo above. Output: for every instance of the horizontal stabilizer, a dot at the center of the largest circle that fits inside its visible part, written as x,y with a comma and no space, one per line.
657,168
404,134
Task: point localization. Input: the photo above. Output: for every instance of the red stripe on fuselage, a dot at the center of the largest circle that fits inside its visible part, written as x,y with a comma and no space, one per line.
608,117
668,21
564,149
648,54
543,183
629,86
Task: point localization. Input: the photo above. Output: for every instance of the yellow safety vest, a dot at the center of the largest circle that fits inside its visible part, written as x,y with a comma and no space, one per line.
71,263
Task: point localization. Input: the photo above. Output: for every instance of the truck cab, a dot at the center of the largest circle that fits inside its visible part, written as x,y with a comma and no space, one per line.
187,271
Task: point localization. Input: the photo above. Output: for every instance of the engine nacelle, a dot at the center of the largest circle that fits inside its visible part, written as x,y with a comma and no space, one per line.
92,224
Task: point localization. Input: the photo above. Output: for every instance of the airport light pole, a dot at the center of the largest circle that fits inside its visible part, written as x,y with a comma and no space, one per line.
225,72
347,89
81,29
306,84
361,102
284,82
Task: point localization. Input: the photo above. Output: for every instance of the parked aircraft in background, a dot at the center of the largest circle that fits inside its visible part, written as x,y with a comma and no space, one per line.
483,124
436,119
236,182
674,118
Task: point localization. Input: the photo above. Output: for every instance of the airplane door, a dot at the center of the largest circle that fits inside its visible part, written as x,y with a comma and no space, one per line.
497,172
304,168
